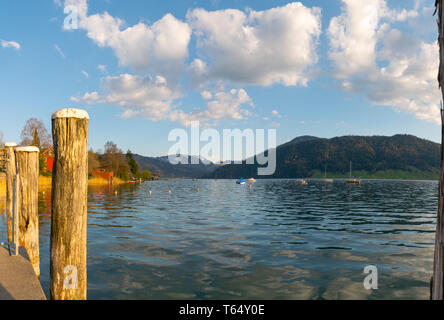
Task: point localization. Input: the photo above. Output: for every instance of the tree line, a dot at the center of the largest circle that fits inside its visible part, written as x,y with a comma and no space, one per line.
113,159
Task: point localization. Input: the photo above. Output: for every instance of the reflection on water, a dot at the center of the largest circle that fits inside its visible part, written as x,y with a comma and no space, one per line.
275,240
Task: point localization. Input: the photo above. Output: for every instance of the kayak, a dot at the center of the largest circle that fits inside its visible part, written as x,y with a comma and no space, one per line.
241,181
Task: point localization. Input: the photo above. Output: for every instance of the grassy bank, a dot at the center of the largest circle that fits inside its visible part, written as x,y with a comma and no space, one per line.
100,181
47,181
2,186
386,174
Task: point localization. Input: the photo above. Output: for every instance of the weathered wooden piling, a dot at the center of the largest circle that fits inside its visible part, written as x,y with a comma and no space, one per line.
10,176
68,277
437,283
27,164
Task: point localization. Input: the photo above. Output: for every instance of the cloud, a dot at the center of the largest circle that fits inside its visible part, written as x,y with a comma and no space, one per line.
391,67
160,48
256,47
88,98
60,51
206,95
371,51
85,74
158,53
152,99
227,105
10,44
102,68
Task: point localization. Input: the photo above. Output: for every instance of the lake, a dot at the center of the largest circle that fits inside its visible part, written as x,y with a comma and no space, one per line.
277,239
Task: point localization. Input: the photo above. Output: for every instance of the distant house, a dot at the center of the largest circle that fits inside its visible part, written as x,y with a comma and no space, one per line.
154,176
102,173
48,158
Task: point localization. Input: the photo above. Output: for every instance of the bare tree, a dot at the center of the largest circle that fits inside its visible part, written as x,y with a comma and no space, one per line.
35,133
115,160
437,286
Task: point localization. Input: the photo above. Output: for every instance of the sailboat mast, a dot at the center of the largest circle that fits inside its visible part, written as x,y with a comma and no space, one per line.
350,169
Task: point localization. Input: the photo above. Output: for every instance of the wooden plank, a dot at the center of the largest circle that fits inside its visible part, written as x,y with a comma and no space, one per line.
17,278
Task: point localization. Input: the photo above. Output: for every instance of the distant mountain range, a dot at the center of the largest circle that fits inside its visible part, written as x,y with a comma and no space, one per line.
165,169
397,157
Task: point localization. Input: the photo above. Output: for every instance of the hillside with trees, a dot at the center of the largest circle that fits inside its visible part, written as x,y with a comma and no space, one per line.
399,156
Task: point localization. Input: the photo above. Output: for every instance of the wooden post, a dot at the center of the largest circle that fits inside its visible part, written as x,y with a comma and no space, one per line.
437,283
10,176
27,162
69,205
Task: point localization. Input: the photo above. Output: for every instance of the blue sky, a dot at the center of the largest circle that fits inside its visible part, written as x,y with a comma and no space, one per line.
323,68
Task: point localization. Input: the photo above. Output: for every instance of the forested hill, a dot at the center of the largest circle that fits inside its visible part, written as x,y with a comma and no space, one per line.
399,156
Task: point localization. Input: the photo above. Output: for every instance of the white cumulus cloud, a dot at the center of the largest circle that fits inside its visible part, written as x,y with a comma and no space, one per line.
160,48
391,67
151,98
257,47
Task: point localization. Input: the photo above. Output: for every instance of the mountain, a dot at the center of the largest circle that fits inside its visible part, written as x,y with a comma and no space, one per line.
299,139
165,169
399,156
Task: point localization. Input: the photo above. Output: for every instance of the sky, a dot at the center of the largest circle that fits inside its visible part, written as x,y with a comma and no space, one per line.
143,68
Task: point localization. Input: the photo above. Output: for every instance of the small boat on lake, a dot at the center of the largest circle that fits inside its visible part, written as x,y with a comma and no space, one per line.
241,181
354,180
304,182
325,176
252,180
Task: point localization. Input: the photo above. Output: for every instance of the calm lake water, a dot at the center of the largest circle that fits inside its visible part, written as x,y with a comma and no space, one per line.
275,240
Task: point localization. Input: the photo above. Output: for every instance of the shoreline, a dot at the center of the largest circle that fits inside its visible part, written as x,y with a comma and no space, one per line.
47,182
